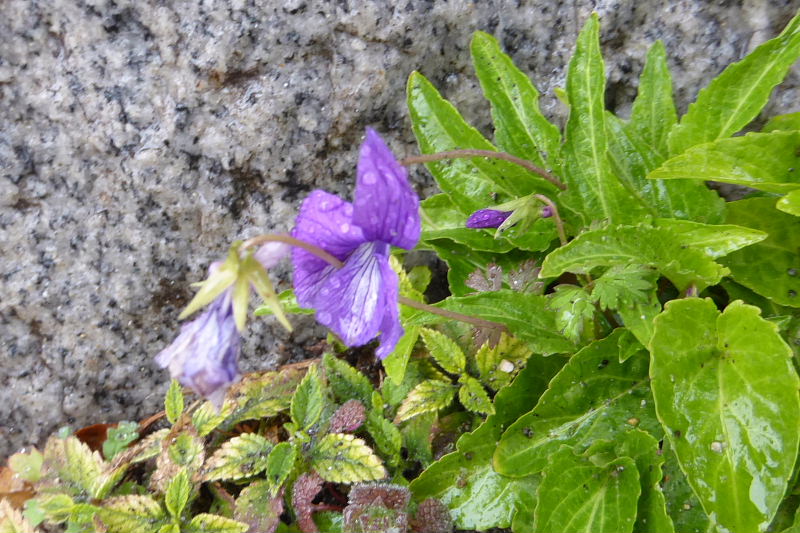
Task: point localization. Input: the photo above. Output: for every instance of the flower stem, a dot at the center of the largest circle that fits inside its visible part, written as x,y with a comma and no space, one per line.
461,154
562,236
328,258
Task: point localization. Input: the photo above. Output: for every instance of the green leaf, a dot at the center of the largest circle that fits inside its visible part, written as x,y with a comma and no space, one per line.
441,219
77,468
27,466
177,495
499,365
623,285
11,520
173,403
216,283
682,504
346,382
575,495
429,396
119,438
653,113
207,418
386,436
790,203
789,121
254,274
727,394
770,267
242,456
736,96
593,193
395,364
632,159
470,183
211,523
651,516
478,497
185,451
764,161
132,514
621,245
715,240
343,458
520,127
527,316
417,438
574,309
262,395
288,302
444,350
280,463
593,397
473,396
258,506
308,400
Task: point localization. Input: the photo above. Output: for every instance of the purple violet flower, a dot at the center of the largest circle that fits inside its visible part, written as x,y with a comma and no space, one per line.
487,218
358,301
205,354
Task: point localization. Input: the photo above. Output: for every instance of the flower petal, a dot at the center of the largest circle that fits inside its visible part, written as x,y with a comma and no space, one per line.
391,328
487,218
325,220
386,207
351,301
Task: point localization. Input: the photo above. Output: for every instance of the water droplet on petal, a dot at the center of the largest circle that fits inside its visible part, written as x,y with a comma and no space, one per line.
369,178
324,317
345,228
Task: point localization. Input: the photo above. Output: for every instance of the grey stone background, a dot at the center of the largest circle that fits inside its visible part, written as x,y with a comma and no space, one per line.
138,139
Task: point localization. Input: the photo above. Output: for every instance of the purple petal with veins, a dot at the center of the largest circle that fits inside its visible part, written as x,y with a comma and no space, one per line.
487,218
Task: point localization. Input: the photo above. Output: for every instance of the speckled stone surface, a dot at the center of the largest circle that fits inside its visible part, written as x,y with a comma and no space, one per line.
139,138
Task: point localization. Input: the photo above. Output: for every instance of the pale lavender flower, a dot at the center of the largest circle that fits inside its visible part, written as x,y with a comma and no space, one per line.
360,300
205,354
487,218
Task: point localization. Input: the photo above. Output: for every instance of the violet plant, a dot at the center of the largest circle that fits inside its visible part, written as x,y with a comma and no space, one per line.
622,342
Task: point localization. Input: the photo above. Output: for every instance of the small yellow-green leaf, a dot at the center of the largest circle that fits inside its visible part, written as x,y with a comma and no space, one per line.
11,520
173,403
444,350
212,523
242,456
279,465
308,400
177,495
216,283
28,466
254,271
132,514
499,365
395,364
429,396
473,396
346,382
790,203
343,458
72,462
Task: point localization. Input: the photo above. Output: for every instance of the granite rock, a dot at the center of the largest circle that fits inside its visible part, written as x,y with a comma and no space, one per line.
139,138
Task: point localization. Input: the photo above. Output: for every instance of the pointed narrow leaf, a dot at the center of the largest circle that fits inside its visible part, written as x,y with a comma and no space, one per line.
653,113
575,495
242,456
621,245
727,394
280,464
177,494
736,96
771,267
444,350
173,403
520,127
216,283
429,396
342,458
715,240
308,400
346,382
593,397
790,203
473,396
395,364
765,161
386,436
593,193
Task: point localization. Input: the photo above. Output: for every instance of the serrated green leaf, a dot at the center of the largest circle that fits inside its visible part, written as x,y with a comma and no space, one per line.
632,159
387,438
520,127
118,438
444,350
499,365
441,219
77,469
576,495
574,309
764,161
623,285
593,192
790,203
11,520
593,397
395,365
473,396
132,514
715,240
429,396
308,400
177,495
417,438
57,507
527,316
242,456
207,417
346,382
477,496
145,449
186,451
470,183
643,448
621,245
343,458
727,394
262,395
259,506
173,403
772,267
736,96
653,113
211,523
27,466
280,463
